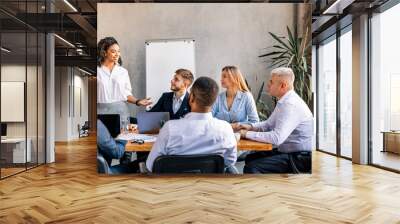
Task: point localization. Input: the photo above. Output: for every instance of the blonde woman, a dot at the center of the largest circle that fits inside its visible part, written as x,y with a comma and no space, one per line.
235,105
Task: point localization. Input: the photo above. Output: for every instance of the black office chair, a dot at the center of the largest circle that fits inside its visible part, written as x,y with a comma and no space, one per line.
305,158
84,129
102,165
174,164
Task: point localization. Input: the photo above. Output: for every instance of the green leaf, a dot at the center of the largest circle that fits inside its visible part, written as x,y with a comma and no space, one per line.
280,41
260,92
271,53
278,62
291,40
277,46
305,64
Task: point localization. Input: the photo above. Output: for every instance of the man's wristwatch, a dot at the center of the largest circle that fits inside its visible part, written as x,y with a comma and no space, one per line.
137,101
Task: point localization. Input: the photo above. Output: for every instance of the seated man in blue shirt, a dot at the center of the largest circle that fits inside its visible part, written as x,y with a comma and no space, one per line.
113,149
176,102
290,128
198,132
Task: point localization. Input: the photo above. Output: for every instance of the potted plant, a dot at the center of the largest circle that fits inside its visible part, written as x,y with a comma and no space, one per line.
263,109
293,52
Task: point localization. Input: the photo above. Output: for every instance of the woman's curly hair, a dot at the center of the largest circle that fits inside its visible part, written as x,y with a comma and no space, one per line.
102,48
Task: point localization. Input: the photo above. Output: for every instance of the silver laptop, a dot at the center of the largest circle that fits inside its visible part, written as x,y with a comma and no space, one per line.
151,122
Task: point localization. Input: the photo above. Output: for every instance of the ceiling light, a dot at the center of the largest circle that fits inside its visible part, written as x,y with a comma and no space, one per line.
64,40
70,5
5,50
84,71
337,7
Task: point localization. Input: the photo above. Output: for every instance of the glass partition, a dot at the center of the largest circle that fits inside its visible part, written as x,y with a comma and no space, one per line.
327,96
346,94
22,64
385,89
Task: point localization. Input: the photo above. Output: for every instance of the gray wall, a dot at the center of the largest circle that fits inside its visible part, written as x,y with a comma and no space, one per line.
225,34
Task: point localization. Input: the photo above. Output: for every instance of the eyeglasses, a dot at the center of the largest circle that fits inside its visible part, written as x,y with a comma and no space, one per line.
138,141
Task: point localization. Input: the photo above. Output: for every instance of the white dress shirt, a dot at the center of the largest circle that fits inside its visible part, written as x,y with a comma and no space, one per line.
177,102
290,126
196,133
114,86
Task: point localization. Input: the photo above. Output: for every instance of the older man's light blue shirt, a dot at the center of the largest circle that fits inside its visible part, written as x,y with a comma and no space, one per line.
243,109
290,126
196,133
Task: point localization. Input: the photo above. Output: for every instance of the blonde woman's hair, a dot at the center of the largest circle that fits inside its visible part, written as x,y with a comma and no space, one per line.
236,77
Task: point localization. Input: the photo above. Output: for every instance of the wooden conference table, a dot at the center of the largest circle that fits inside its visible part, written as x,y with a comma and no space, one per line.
243,144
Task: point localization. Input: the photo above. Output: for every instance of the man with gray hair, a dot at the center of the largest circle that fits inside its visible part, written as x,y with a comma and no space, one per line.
289,128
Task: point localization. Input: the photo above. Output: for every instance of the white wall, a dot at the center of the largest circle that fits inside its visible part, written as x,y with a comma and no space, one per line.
67,112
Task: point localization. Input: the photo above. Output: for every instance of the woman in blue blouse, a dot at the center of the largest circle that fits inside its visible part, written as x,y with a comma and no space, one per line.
236,104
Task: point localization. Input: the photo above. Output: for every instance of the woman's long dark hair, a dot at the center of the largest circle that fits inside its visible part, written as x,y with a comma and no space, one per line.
102,48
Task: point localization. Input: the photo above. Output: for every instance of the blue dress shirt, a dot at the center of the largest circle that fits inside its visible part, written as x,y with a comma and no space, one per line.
107,146
243,109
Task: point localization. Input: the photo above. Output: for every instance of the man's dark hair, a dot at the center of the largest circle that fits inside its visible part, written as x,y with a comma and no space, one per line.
102,48
204,91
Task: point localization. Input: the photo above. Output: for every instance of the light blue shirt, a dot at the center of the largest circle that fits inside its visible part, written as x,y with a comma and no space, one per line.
243,109
290,126
177,102
196,133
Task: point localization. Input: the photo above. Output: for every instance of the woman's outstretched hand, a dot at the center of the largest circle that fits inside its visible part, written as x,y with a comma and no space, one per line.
144,102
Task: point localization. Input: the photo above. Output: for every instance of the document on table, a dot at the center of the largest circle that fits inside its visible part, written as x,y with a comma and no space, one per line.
133,136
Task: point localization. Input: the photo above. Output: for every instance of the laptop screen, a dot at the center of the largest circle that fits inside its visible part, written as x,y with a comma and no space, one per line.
3,129
151,122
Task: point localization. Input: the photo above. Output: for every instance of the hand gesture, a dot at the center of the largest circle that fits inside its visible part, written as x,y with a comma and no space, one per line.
144,102
246,127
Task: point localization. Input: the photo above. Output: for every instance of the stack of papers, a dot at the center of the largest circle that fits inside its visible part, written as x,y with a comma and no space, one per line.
132,136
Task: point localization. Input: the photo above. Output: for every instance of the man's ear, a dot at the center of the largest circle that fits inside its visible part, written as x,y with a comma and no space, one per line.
186,82
191,97
283,85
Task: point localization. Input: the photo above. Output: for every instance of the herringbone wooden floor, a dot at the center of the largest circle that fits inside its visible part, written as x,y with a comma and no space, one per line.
70,191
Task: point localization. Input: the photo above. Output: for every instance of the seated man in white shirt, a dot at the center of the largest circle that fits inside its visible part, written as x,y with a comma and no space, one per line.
289,128
198,132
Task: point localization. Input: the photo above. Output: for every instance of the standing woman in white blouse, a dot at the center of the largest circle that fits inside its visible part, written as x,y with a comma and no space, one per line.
114,90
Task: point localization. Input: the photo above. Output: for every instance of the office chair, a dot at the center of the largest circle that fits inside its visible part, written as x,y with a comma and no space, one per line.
84,129
305,157
102,165
173,164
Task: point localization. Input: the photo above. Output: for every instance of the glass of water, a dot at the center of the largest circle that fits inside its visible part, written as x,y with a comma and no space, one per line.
125,121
